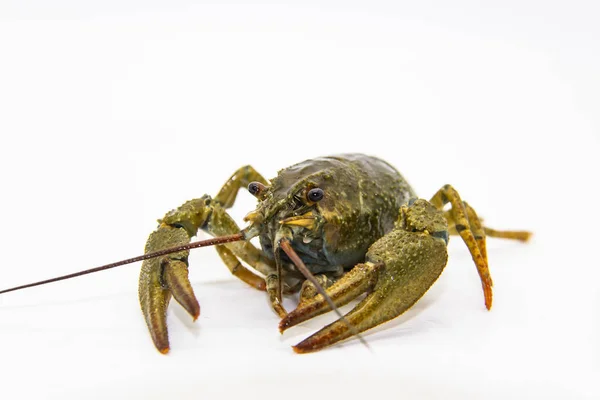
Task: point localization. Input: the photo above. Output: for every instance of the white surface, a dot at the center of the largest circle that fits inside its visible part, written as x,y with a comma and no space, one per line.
113,114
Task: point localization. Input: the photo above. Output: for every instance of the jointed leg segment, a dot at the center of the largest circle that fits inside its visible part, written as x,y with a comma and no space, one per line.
240,179
471,232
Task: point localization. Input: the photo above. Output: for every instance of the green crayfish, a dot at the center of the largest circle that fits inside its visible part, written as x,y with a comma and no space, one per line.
330,228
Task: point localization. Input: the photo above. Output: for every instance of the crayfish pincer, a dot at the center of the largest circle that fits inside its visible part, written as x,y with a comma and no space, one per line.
331,228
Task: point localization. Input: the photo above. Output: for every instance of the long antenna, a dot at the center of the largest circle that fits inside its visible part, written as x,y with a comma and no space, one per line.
189,246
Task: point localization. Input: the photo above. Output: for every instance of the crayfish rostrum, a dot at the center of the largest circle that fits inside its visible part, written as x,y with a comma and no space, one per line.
332,228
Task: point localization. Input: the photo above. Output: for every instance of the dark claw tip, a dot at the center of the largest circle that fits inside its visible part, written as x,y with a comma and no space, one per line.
284,324
301,348
298,350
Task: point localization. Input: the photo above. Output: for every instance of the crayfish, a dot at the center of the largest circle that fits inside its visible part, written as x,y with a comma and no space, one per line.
331,228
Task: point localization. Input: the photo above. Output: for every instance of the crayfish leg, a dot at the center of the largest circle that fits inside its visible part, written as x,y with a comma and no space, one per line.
237,269
522,236
238,180
274,291
463,219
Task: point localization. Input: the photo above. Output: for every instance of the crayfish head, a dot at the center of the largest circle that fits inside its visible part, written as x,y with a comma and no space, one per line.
290,209
335,207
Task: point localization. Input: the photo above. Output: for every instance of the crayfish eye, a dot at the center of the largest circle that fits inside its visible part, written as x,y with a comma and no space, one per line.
315,194
255,188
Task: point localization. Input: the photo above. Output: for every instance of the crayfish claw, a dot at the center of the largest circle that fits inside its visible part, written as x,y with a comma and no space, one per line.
364,316
154,299
162,277
356,282
408,261
176,278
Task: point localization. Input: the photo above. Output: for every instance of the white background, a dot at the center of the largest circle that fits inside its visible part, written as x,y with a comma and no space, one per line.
112,114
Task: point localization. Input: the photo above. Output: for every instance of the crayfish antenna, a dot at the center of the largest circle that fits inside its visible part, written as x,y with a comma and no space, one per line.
192,245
